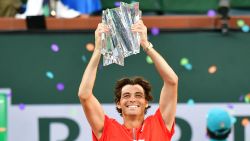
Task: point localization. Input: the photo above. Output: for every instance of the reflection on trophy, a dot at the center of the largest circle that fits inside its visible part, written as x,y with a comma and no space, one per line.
120,42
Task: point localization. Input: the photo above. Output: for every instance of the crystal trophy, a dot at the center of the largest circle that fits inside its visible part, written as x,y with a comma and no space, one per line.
120,42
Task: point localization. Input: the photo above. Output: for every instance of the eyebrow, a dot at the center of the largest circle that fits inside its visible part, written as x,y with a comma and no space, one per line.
130,93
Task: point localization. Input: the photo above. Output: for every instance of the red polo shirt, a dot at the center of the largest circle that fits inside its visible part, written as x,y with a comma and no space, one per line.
153,129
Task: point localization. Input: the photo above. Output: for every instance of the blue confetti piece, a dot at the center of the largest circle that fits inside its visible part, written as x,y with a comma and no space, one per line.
188,66
190,102
49,74
245,28
84,58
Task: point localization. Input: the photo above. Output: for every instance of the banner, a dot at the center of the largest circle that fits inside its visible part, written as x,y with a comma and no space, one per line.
67,122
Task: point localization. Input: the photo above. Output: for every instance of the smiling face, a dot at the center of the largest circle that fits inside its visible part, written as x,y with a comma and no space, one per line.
132,101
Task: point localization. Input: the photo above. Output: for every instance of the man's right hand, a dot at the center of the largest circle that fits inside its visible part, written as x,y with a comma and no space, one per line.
101,28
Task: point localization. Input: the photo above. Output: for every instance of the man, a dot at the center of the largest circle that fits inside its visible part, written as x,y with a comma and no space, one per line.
132,99
219,124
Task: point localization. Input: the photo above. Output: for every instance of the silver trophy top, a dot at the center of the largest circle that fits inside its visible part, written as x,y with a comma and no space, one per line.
120,41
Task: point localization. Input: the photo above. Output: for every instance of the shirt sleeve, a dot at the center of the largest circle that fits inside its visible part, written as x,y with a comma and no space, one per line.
106,122
160,119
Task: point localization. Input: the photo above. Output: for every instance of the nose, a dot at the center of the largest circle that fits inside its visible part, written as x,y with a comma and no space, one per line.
132,98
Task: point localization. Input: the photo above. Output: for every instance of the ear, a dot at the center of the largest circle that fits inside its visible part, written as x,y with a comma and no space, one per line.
147,104
118,105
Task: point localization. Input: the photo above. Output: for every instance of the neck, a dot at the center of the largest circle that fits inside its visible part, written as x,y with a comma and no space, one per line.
133,122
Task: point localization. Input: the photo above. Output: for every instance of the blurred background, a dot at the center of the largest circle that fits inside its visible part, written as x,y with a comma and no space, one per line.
45,46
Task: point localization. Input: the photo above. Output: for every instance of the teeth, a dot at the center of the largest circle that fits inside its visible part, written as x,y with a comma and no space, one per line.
132,106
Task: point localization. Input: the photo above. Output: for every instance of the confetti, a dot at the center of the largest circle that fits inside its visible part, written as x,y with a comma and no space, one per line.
212,69
184,61
155,31
60,86
49,74
9,95
211,13
149,60
188,66
84,58
247,98
55,48
230,106
240,23
241,98
117,4
245,28
22,106
190,102
245,122
90,47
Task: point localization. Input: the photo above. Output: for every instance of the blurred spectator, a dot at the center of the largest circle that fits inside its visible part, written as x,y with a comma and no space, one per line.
9,8
55,8
84,6
219,124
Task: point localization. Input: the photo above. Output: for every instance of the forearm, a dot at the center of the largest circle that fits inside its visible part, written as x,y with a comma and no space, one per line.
89,76
168,96
165,71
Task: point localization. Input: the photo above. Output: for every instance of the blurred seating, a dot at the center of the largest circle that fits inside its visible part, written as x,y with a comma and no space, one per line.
244,4
240,7
149,7
9,8
188,6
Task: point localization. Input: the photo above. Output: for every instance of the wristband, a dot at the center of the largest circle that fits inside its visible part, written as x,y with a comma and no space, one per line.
148,47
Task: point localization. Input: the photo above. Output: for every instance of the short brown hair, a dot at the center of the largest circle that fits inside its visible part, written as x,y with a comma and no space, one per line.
133,81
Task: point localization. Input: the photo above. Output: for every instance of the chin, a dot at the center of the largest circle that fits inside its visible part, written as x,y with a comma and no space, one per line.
133,113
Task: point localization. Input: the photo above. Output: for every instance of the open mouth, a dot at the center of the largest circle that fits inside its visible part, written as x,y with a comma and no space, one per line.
132,106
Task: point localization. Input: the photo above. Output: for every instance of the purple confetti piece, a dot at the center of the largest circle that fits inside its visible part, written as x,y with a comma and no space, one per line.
21,106
241,98
55,47
230,106
9,95
60,86
155,31
211,13
117,4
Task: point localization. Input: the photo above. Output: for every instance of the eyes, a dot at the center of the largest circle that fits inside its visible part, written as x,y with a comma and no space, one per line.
137,95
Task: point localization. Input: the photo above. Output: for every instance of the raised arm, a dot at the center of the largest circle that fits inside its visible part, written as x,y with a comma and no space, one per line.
168,96
91,106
